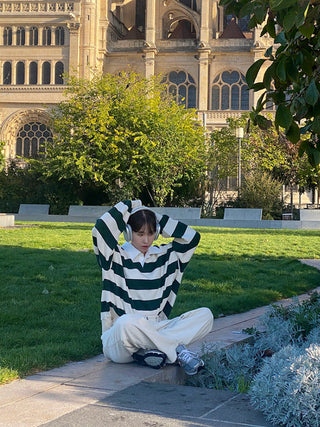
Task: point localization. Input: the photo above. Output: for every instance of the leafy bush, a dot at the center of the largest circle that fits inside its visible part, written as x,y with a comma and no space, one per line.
26,185
261,191
280,368
287,389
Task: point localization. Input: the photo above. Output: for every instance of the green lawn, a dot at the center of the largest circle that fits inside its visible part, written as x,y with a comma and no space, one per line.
51,284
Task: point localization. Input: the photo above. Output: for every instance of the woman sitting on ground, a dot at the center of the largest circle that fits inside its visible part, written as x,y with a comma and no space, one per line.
140,285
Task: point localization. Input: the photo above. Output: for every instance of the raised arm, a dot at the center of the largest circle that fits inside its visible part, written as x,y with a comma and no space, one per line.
185,238
108,228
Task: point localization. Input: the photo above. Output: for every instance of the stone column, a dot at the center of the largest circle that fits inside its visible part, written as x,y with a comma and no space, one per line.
52,72
150,50
149,60
204,28
40,36
73,59
40,63
14,72
26,72
14,35
27,35
151,23
203,89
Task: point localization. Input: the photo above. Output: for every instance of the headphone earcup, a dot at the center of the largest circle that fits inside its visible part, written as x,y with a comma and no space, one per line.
158,229
127,234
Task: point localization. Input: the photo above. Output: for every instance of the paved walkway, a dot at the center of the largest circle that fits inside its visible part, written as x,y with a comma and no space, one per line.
97,392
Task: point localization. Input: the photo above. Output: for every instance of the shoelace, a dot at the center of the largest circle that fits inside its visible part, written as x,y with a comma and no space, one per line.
185,356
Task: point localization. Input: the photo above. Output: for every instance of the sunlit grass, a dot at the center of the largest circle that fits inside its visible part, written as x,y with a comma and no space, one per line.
51,285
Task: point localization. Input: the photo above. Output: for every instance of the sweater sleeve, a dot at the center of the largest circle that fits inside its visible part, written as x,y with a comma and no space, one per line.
185,238
108,228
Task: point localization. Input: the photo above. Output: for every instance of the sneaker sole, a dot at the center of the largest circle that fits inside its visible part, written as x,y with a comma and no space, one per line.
155,362
196,370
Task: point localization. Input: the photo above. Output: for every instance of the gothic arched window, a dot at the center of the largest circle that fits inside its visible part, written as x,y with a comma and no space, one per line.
46,73
46,36
31,139
20,68
7,73
230,92
33,73
21,36
33,36
59,70
59,36
7,36
183,87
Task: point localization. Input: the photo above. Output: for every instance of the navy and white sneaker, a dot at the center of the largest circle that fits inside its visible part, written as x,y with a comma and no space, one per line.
155,359
189,361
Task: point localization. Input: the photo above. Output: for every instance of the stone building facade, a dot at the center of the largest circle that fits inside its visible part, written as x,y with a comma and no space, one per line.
202,53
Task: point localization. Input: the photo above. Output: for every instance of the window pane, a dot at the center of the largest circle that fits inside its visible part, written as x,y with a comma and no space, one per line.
182,95
19,147
7,73
7,36
244,97
59,36
33,73
46,75
225,98
215,105
34,36
20,73
46,36
26,147
226,77
21,36
235,97
34,147
59,73
192,97
234,77
173,90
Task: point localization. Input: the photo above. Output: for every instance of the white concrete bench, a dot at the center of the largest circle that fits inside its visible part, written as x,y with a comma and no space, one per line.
247,214
97,211
33,209
6,220
92,211
309,214
179,213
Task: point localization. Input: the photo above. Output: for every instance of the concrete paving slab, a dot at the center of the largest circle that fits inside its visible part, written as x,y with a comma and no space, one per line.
26,388
148,404
77,369
48,405
114,376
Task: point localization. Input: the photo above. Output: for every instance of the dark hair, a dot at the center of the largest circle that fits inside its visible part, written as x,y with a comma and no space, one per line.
141,218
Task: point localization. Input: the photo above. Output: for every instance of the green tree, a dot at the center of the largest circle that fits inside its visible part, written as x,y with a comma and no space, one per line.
261,191
292,77
266,151
124,133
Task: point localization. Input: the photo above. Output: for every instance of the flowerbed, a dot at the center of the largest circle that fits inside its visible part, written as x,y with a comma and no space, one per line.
280,368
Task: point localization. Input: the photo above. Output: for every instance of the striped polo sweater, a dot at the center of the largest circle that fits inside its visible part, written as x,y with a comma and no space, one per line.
130,287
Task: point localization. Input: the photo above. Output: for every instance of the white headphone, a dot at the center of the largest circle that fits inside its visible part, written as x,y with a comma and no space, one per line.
127,234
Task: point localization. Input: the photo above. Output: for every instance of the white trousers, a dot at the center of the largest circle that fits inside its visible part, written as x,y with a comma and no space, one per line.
132,332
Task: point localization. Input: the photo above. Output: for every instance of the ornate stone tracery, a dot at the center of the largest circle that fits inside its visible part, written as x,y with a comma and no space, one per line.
13,124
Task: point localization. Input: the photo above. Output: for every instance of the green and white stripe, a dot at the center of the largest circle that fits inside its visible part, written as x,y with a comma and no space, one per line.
128,286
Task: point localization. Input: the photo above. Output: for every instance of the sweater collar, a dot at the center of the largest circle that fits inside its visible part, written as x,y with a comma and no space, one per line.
136,255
